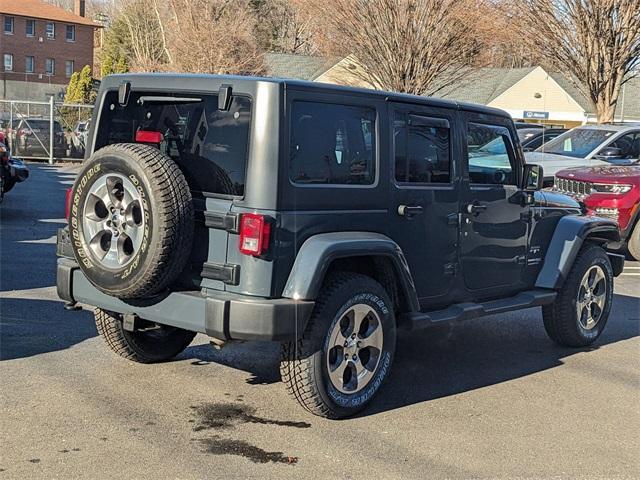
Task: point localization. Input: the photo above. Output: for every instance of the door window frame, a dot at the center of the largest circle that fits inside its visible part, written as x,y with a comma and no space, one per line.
513,148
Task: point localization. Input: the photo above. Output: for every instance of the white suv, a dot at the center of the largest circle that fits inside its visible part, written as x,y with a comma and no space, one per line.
588,145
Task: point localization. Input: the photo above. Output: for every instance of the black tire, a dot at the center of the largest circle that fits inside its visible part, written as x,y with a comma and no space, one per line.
561,319
147,346
303,366
167,210
8,185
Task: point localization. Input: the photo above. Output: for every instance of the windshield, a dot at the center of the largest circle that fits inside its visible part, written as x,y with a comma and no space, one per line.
577,143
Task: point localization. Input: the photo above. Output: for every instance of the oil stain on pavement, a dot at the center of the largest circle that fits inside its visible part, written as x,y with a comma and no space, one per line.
225,416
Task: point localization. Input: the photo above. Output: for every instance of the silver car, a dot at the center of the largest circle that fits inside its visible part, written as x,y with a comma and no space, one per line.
588,145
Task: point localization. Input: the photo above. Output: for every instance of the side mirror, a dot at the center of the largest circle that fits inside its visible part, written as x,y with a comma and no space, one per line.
533,177
610,153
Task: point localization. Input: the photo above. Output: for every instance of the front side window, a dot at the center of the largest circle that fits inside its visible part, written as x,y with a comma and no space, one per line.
629,145
332,144
71,33
8,25
421,150
68,68
50,66
209,145
31,28
29,64
51,30
8,62
490,155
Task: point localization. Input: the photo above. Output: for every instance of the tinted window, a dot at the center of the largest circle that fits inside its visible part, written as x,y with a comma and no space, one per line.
332,144
210,145
490,154
421,150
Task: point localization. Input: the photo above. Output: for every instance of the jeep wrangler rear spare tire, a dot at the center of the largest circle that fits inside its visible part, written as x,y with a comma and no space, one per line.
131,220
346,351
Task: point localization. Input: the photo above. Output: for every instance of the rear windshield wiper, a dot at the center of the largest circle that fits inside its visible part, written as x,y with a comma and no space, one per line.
151,99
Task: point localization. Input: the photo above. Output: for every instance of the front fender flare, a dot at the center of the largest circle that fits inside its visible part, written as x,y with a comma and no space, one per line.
570,233
318,251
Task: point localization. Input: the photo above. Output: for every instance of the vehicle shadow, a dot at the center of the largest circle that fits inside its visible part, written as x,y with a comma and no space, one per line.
448,360
31,327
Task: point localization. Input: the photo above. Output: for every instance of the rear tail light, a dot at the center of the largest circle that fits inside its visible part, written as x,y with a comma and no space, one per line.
255,232
146,136
67,203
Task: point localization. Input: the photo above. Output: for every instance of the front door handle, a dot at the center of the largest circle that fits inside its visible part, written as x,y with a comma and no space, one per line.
410,210
476,208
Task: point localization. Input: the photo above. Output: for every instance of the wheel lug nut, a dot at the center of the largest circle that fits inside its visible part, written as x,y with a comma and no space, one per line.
354,357
353,336
346,344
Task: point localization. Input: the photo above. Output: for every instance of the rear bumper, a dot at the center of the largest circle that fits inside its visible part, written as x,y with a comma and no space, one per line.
221,315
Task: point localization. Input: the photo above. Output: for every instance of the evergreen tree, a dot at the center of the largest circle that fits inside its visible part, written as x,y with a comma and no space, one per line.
107,66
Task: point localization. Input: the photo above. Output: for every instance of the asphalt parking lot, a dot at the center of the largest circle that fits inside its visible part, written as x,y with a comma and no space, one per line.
489,398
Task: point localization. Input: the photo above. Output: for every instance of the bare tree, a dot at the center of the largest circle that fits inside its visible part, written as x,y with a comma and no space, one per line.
413,46
285,26
596,43
213,36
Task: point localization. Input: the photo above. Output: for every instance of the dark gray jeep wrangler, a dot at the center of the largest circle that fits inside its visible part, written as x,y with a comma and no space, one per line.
318,216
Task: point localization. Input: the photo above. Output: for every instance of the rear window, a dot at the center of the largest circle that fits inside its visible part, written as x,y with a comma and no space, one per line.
332,144
209,145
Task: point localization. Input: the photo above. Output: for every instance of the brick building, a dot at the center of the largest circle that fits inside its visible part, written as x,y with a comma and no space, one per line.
40,47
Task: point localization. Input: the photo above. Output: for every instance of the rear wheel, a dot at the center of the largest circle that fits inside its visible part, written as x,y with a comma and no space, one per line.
346,350
151,344
580,312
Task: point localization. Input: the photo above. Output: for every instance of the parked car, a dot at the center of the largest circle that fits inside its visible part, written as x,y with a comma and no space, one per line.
533,138
12,170
319,216
610,191
31,138
588,146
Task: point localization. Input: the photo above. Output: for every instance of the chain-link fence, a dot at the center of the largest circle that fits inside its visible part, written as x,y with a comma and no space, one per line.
45,130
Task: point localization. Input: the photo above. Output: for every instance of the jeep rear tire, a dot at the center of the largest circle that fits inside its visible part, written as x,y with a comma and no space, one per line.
579,314
346,351
156,343
131,220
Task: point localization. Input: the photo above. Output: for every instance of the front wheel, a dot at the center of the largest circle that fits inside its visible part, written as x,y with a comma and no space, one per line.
580,312
346,350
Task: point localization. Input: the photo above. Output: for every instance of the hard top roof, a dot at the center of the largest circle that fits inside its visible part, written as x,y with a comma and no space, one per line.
617,127
184,81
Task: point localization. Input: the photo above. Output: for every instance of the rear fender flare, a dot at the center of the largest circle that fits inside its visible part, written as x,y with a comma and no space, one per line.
567,240
317,253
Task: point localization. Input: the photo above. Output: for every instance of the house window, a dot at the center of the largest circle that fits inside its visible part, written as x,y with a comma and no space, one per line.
8,62
50,66
8,25
31,28
71,33
51,30
29,64
68,68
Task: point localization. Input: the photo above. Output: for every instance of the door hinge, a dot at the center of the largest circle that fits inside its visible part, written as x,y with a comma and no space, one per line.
521,259
451,269
454,219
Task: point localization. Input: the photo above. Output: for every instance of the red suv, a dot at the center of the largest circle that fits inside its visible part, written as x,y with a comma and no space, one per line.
607,191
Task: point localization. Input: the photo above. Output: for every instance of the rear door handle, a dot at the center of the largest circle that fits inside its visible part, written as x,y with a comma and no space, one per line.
410,210
476,208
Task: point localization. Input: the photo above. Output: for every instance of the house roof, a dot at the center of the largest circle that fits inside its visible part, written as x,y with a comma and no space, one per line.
42,10
484,85
298,67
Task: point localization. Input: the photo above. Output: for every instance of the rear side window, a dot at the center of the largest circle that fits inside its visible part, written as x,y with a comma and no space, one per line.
209,145
421,150
332,144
